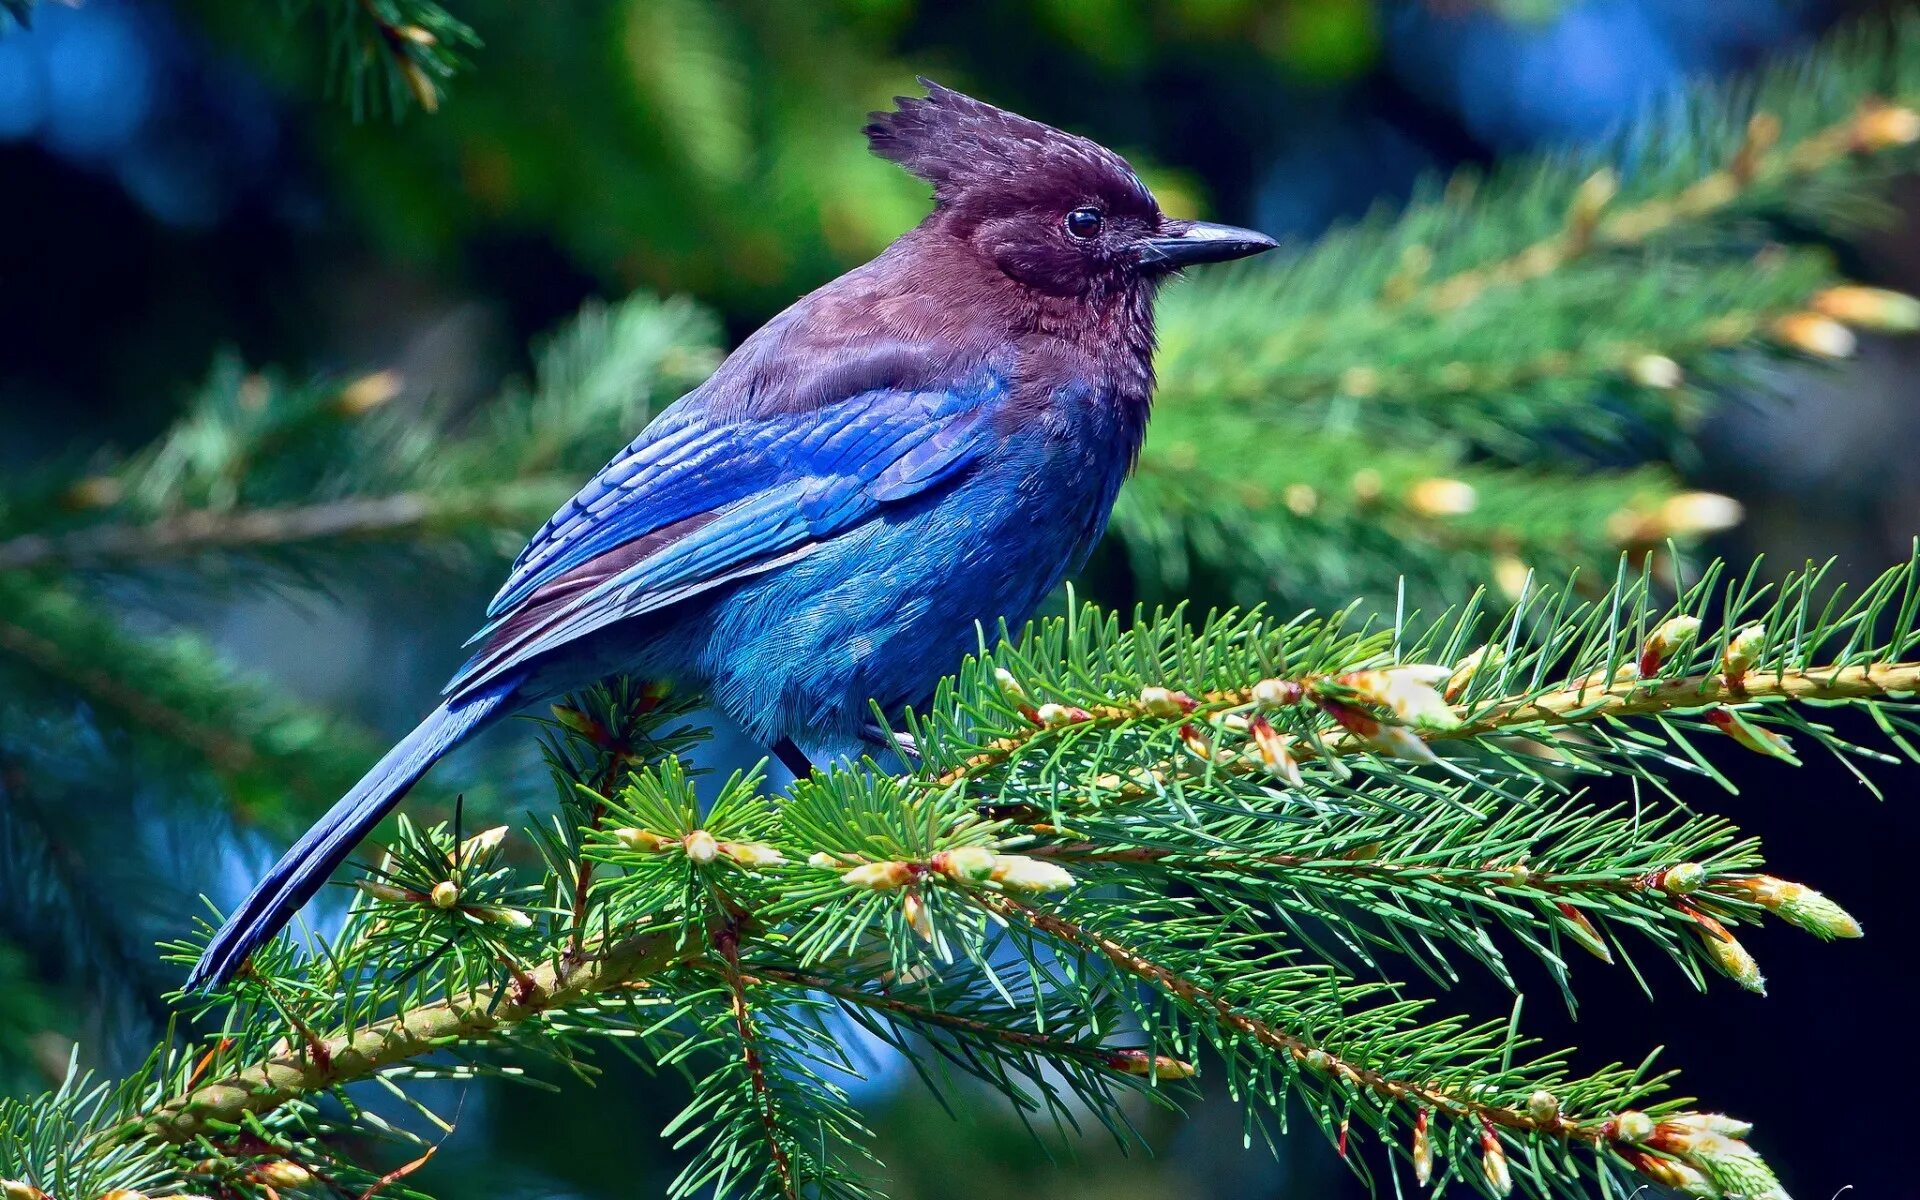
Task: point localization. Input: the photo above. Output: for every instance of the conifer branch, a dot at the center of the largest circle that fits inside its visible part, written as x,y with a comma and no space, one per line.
1578,704
388,1043
402,516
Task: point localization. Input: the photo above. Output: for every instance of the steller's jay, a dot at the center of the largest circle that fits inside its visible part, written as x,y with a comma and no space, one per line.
929,442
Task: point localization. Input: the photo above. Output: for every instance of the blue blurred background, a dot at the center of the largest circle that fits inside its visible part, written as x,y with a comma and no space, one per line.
172,188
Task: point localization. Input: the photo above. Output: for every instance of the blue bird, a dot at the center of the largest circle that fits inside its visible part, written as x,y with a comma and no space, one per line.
928,443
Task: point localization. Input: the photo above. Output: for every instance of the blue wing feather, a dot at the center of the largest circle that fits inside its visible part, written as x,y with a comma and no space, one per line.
708,505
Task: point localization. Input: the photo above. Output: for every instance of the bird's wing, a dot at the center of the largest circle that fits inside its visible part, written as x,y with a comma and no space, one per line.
694,506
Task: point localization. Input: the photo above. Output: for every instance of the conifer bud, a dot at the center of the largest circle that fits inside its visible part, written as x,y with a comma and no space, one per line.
821,860
1196,741
1319,1060
1797,904
283,1173
445,894
914,910
1699,1123
1543,1108
1023,874
1164,702
1595,192
1439,497
1884,126
1277,693
1870,308
1682,878
752,854
1141,1063
1511,577
1677,1175
1734,1168
1408,692
1489,657
1583,931
1811,333
1274,754
367,393
1655,371
512,918
1055,716
1754,738
1693,514
385,891
1300,499
1009,686
1493,1164
700,847
1743,650
1422,1151
880,876
1667,639
1733,960
1632,1126
15,1189
485,842
642,840
1366,485
124,1194
969,864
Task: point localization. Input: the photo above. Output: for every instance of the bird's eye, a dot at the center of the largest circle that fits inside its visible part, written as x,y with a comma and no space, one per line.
1084,223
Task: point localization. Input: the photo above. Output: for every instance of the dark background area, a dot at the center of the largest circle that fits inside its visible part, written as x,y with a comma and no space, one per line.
170,192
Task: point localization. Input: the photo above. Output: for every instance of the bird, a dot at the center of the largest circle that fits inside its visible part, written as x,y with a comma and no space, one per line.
919,449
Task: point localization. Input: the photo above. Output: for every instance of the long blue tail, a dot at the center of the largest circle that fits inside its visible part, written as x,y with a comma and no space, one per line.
302,870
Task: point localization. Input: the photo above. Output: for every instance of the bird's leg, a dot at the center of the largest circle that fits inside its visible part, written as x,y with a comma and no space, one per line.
793,758
900,743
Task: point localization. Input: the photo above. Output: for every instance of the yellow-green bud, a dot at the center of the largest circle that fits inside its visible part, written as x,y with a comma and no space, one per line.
1276,693
484,842
1633,1126
1743,650
914,910
385,891
1682,878
1009,686
643,840
971,864
1024,874
1734,961
701,847
283,1173
512,918
1053,716
752,854
1139,1062
880,876
1714,1123
445,894
1161,702
1798,904
1493,1165
1735,1169
1543,1107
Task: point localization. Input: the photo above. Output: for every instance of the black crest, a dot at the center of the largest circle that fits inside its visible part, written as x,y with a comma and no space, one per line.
957,143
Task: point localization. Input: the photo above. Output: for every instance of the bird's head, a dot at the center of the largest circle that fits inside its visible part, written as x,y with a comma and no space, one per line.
1059,213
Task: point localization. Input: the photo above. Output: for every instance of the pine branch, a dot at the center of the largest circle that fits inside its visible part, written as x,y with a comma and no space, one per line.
173,689
360,1054
1548,318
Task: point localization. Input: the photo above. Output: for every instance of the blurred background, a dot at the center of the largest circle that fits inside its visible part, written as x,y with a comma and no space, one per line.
182,190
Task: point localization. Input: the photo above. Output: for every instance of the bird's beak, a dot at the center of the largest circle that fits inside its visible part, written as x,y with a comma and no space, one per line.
1185,243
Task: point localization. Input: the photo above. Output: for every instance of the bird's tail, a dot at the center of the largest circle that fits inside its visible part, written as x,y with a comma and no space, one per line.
301,870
